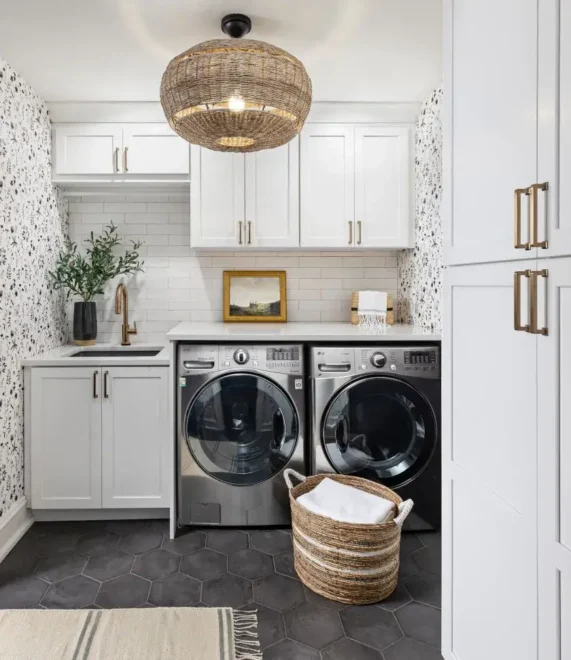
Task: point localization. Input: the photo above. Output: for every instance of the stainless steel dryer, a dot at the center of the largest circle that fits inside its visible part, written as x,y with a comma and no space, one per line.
376,414
240,423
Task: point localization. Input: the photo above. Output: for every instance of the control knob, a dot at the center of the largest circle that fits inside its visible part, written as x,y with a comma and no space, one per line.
241,356
378,360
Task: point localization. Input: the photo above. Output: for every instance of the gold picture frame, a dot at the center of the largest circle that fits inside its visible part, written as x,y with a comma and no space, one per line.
250,300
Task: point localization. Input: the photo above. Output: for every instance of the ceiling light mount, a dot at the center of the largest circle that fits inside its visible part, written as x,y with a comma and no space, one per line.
236,26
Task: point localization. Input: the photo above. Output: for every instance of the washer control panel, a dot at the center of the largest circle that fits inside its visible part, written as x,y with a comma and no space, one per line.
277,358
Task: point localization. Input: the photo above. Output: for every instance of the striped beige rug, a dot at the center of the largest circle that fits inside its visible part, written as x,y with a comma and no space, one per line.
179,633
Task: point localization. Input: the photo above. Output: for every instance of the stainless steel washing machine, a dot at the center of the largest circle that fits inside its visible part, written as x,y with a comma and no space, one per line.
241,414
376,414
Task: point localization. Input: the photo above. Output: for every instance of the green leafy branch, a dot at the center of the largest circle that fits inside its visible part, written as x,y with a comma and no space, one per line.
86,274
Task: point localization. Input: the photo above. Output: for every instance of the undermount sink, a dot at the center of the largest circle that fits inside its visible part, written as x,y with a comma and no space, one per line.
117,353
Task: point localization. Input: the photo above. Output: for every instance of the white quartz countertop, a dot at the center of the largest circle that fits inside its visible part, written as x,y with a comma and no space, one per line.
313,332
62,356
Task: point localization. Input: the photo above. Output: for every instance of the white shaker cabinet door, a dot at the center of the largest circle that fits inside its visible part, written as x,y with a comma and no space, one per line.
554,426
154,149
272,197
490,147
65,438
489,462
135,441
382,187
327,185
87,148
217,202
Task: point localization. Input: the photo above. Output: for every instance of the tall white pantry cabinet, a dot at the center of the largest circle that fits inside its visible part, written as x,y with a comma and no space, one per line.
507,331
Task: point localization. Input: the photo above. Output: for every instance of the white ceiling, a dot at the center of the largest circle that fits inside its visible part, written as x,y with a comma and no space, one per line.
116,50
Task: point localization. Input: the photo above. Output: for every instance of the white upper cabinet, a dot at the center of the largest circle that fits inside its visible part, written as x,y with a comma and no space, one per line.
87,148
382,187
272,197
327,190
217,205
154,149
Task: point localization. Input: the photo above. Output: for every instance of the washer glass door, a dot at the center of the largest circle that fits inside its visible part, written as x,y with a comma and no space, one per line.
379,428
241,428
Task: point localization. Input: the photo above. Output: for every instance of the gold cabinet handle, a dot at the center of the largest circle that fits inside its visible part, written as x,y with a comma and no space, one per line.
533,302
105,385
116,164
533,242
125,166
518,245
240,223
359,232
95,395
350,233
249,233
517,299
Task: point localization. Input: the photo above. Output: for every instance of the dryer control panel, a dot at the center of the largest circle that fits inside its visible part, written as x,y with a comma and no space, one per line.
275,358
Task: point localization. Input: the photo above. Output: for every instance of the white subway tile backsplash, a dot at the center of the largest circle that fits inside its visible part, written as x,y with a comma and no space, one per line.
125,207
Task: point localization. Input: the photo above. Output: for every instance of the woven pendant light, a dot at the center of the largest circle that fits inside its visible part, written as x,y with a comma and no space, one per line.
236,94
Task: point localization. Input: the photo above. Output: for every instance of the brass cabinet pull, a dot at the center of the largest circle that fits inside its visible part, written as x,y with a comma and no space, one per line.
517,300
240,223
105,385
518,245
533,242
533,302
125,167
116,164
360,232
95,395
249,233
350,233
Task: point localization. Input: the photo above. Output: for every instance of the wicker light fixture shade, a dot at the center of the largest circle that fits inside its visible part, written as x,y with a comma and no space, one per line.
236,95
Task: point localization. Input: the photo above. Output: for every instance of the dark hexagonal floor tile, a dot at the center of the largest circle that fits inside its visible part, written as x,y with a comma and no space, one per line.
160,525
410,649
124,527
421,622
273,541
97,543
20,592
226,541
429,559
370,625
227,591
18,563
271,628
407,567
279,592
316,599
109,566
287,649
185,543
137,543
204,564
124,591
313,625
284,564
175,591
348,649
429,539
156,564
71,594
250,564
61,566
425,588
397,599
409,542
55,542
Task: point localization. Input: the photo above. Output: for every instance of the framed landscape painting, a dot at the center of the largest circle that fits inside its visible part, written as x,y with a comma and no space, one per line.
254,296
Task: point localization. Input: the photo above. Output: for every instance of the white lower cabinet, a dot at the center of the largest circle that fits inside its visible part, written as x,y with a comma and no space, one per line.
98,437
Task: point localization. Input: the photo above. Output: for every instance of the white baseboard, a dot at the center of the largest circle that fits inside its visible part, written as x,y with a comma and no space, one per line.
13,525
56,515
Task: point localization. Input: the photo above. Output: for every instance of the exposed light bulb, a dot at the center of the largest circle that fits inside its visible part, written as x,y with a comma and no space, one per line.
236,104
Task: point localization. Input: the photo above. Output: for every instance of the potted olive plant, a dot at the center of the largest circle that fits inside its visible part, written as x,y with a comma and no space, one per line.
85,275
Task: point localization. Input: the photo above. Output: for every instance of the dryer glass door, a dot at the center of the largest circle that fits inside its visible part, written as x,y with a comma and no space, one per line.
379,428
241,428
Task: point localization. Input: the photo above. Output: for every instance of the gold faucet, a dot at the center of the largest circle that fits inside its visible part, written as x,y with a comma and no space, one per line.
122,301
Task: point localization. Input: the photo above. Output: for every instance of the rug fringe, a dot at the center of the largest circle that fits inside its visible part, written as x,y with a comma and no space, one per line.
246,642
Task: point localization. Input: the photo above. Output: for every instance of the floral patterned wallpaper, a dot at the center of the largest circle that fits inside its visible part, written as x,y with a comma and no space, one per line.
420,269
33,224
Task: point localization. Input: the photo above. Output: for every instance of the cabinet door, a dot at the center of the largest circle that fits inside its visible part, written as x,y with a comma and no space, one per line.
154,149
87,148
382,187
327,185
65,438
135,438
216,198
489,466
554,424
490,125
272,197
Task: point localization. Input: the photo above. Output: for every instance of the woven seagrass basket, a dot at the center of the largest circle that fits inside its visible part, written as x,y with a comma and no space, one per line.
346,562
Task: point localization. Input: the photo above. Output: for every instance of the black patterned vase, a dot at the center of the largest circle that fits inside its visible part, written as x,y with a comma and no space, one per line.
84,323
